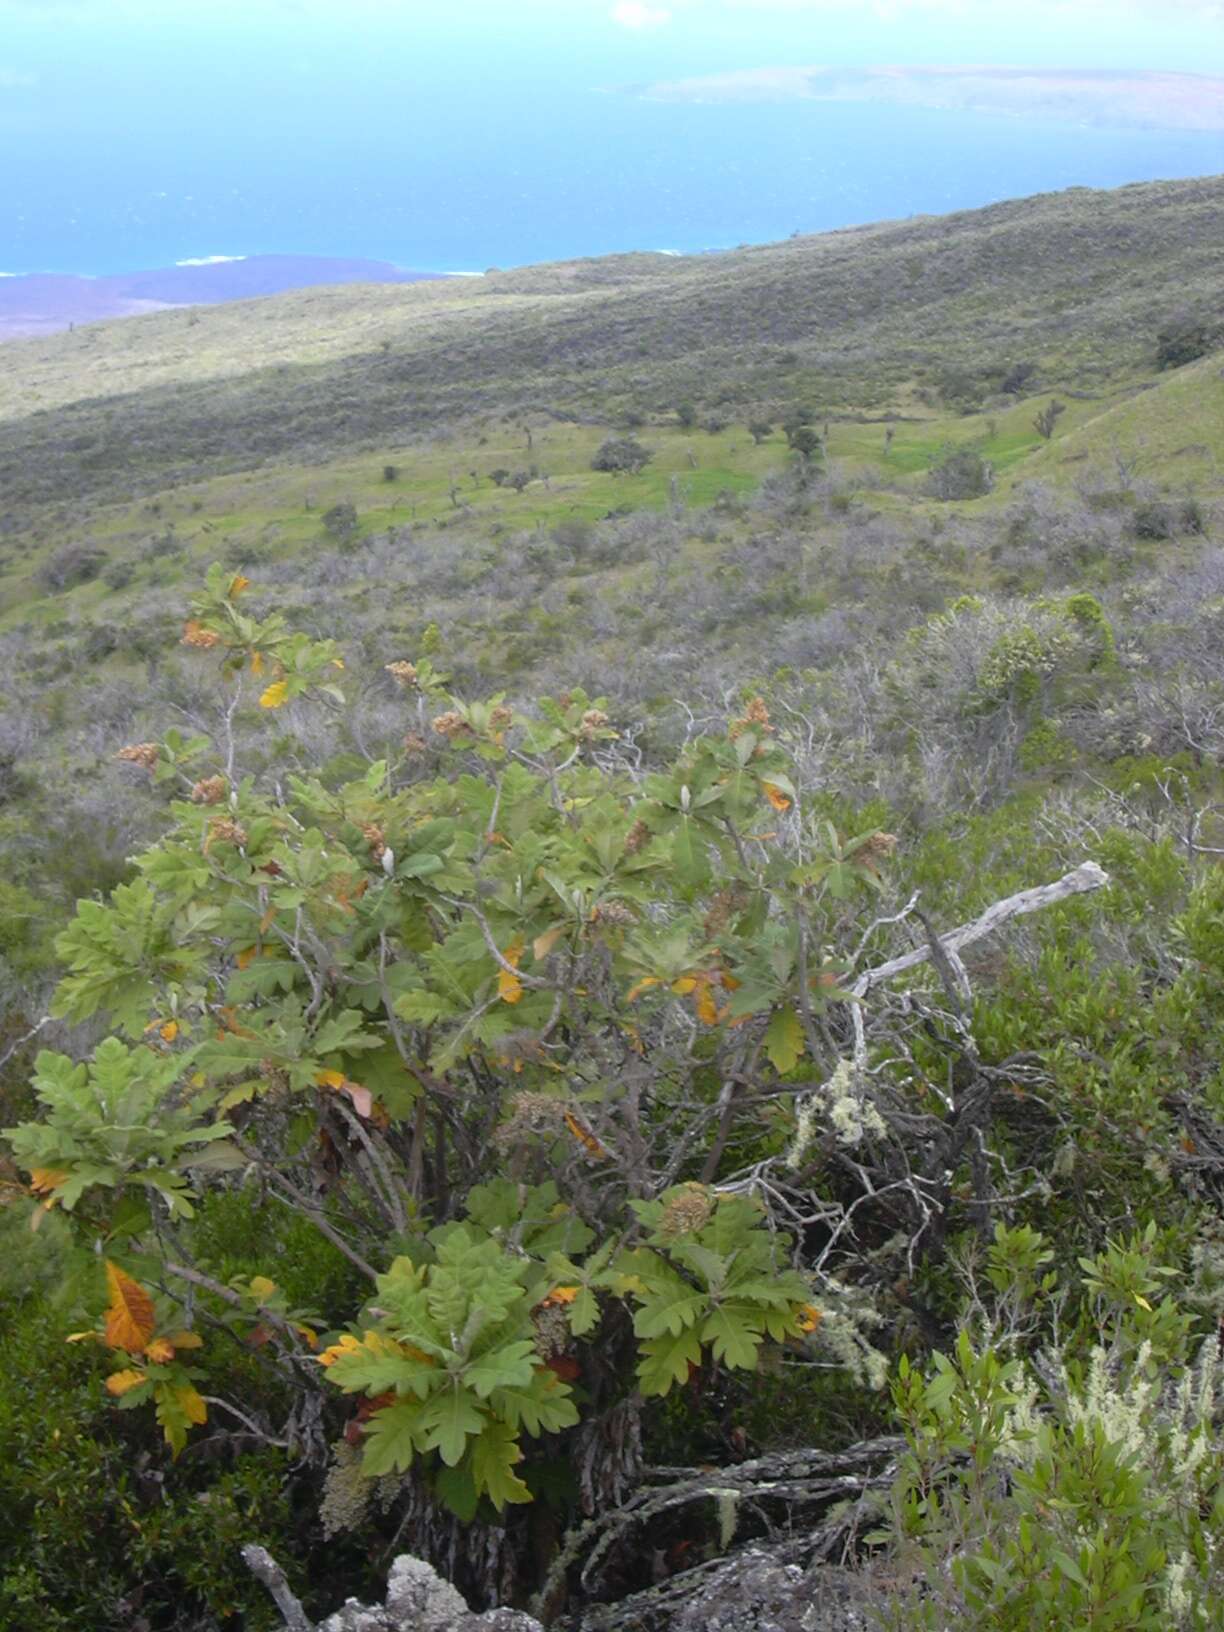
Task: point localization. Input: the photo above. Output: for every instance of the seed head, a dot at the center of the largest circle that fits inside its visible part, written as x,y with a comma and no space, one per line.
195,635
687,1212
140,753
638,835
210,791
451,724
223,831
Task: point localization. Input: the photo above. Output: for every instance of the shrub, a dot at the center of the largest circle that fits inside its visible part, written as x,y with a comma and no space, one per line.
1156,519
961,474
623,453
1085,1491
70,565
340,522
267,908
1187,337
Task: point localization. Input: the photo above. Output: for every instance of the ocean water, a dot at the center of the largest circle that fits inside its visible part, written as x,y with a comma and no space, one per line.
437,183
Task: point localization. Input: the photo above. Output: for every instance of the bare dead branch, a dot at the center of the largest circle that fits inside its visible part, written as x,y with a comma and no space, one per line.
1083,879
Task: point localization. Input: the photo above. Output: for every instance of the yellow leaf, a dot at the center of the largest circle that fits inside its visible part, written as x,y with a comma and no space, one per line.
1143,1303
509,986
337,663
84,1337
307,1333
43,1180
169,1031
261,1287
703,1002
348,1344
186,1340
120,1383
809,1317
685,985
643,985
193,1404
543,944
776,797
274,695
237,584
160,1351
247,956
562,1294
257,663
330,1079
129,1315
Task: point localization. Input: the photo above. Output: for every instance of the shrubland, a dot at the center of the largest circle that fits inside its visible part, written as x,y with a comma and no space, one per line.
477,1094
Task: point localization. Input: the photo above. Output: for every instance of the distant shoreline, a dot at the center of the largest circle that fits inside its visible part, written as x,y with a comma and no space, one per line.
41,303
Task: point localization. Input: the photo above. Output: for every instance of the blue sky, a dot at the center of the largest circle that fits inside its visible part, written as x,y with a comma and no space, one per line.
132,129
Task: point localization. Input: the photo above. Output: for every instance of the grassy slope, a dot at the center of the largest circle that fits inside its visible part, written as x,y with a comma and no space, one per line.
1077,282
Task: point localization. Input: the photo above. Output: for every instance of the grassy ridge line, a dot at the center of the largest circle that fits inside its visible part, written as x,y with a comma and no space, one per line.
1077,281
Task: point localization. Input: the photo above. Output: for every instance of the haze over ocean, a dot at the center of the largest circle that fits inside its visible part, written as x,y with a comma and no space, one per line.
139,134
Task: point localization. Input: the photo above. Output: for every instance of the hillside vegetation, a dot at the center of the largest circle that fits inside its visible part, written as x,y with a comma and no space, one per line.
497,762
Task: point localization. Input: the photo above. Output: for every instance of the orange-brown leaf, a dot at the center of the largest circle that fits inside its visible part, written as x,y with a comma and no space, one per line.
585,1138
129,1315
776,797
160,1351
563,1366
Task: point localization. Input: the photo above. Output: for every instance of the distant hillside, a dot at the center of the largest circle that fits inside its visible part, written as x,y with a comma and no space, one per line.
1073,284
43,303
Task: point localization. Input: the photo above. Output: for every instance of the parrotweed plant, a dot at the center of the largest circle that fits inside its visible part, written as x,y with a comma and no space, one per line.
506,951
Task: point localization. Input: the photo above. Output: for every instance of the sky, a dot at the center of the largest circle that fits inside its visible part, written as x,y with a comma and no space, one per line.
125,124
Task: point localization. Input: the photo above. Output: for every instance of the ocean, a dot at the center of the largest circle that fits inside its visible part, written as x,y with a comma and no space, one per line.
501,178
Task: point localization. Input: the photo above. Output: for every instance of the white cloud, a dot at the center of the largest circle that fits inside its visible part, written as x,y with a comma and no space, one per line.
1206,11
635,14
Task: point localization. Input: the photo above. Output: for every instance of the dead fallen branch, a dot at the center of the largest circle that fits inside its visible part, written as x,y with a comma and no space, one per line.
798,1480
1085,878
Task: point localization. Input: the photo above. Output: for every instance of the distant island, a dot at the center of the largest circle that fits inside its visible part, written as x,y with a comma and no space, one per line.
44,302
1119,100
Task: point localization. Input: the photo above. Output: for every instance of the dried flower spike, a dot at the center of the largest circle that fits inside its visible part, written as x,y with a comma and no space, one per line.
210,791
